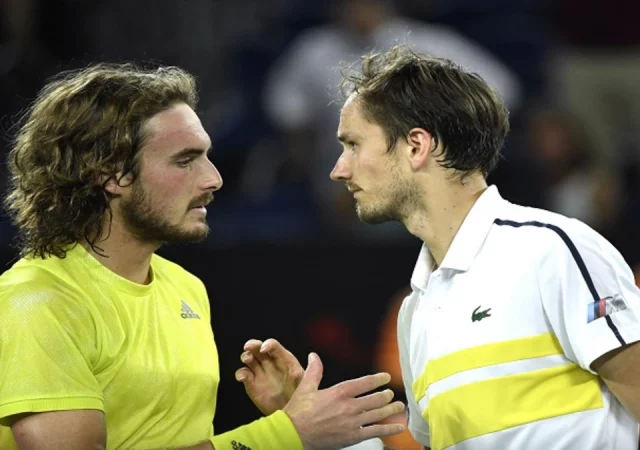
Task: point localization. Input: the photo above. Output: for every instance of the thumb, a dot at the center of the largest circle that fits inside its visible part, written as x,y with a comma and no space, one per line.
312,375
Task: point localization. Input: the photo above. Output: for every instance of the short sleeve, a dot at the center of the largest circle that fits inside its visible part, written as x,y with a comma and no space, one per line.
417,425
589,296
47,345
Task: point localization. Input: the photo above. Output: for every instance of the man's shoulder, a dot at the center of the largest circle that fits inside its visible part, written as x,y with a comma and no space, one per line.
38,285
545,231
33,272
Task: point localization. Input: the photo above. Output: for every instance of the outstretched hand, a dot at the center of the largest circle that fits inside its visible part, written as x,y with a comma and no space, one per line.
344,414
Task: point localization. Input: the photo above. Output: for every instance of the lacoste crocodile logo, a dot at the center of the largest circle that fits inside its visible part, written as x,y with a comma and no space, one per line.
477,316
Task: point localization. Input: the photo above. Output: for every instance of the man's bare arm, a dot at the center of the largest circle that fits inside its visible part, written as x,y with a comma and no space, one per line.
78,429
81,429
620,371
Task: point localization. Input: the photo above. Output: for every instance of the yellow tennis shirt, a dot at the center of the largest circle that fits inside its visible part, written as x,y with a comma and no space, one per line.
74,335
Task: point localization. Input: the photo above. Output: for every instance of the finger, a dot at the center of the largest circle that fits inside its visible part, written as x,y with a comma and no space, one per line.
359,386
266,362
244,375
376,415
284,359
274,347
313,375
380,431
251,362
260,357
253,345
373,401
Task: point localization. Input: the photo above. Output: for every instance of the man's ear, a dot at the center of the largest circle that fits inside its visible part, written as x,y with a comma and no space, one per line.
421,146
117,184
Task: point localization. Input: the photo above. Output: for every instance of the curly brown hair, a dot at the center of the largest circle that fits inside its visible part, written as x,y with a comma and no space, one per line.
84,128
401,89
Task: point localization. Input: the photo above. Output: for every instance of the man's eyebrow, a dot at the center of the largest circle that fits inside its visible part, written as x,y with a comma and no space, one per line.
344,137
191,152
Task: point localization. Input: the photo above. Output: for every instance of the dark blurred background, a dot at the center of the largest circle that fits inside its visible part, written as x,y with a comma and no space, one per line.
287,257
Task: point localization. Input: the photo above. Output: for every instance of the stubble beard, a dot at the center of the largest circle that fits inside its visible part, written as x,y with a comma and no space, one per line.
148,224
394,204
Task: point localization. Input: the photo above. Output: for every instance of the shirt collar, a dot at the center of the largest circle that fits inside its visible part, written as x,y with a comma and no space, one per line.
422,270
468,240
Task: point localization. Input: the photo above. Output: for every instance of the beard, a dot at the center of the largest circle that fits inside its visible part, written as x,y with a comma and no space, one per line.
394,203
148,224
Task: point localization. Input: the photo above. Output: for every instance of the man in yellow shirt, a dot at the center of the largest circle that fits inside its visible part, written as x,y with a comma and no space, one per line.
103,344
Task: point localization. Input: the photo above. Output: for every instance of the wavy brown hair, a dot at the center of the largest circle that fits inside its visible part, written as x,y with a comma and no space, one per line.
400,90
84,127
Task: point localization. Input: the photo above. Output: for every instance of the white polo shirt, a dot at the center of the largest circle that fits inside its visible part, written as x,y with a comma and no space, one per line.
496,344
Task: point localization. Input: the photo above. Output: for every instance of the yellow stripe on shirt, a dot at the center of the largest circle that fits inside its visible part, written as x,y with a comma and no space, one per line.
504,402
545,344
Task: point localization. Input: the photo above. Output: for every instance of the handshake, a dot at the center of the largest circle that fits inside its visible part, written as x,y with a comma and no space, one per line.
332,418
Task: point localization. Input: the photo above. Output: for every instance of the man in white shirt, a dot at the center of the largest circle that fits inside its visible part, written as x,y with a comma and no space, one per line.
521,326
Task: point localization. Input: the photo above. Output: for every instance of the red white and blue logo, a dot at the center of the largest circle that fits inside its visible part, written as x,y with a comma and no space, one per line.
605,307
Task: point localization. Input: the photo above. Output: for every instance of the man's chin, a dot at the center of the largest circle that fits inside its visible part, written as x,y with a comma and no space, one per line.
191,236
373,218
194,236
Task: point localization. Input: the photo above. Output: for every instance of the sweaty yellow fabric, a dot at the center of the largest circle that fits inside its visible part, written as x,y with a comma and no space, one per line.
74,335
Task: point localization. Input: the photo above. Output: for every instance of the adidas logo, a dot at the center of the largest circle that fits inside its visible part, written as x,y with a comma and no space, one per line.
188,313
239,446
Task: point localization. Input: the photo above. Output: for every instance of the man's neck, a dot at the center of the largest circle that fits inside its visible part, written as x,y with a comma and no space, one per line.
442,212
123,254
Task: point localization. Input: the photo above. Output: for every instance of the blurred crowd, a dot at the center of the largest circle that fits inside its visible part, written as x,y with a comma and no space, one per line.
569,71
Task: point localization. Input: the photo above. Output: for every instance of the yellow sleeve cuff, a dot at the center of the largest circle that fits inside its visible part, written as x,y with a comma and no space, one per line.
275,432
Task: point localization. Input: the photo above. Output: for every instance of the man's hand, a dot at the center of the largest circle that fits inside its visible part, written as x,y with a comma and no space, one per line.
271,374
341,415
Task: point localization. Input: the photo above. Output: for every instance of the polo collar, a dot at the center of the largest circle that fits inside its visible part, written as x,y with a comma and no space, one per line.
468,240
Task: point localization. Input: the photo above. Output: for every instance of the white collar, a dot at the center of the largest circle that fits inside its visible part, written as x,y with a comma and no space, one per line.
466,243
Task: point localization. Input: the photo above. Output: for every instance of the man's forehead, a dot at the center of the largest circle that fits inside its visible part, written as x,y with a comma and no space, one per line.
352,120
174,125
176,131
349,115
351,105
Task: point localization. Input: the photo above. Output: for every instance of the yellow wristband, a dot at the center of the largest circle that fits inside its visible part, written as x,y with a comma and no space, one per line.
275,432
